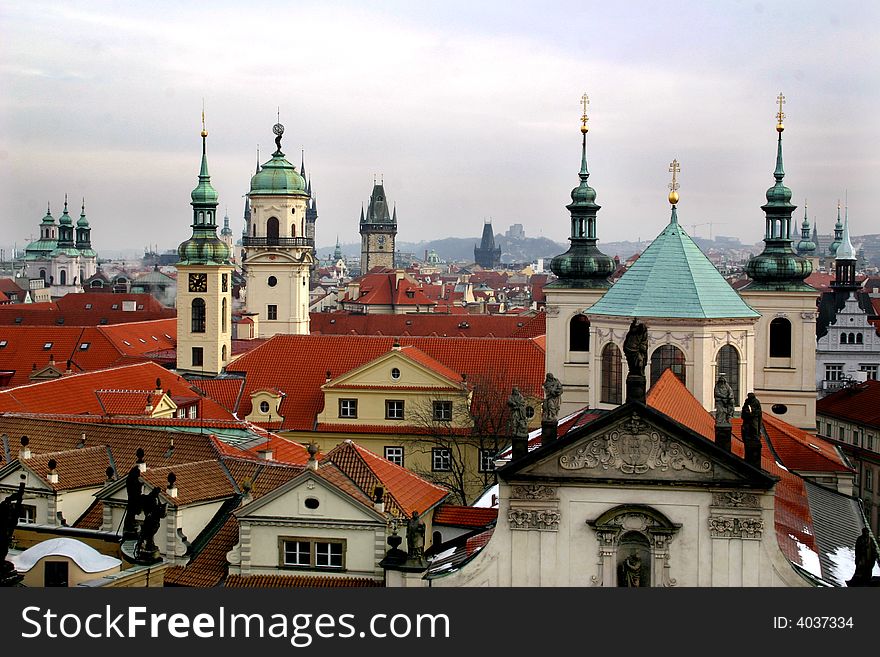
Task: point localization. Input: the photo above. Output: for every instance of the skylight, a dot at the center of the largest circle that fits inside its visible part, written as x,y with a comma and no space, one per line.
2,344
88,306
48,345
84,346
126,342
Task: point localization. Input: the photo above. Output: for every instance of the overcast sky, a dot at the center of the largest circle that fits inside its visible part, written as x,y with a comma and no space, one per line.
469,111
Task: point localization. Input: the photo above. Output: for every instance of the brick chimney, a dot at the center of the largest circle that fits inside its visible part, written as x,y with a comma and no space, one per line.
25,452
313,461
53,474
171,489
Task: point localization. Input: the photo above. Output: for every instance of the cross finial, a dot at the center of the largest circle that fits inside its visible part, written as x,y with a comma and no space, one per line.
780,115
674,169
585,100
204,130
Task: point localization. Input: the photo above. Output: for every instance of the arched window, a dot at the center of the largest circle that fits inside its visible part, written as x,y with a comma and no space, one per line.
223,317
272,230
780,338
843,338
667,357
43,274
859,338
63,277
198,315
579,333
223,353
727,361
612,375
293,229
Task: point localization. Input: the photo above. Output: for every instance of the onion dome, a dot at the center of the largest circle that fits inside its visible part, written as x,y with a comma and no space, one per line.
278,176
84,235
806,246
48,220
778,267
583,265
65,218
82,222
46,244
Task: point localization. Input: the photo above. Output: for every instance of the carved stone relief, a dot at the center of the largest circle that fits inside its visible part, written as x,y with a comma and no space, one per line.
552,310
735,500
540,519
736,527
634,447
533,492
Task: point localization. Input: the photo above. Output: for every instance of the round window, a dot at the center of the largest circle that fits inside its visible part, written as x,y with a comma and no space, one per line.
395,373
312,503
779,409
272,281
264,407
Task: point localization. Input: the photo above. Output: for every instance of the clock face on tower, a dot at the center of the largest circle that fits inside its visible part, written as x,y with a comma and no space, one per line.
198,282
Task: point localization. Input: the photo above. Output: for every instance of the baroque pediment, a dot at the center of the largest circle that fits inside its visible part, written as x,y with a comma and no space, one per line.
635,447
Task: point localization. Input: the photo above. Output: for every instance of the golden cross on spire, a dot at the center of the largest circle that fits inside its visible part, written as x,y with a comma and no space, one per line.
585,100
674,169
780,115
204,130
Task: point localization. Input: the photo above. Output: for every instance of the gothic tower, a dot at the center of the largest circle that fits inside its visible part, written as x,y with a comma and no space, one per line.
487,255
785,336
204,285
226,235
582,278
278,247
378,230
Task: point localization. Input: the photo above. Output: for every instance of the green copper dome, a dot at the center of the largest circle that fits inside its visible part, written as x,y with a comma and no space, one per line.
204,193
278,176
806,246
203,250
838,234
48,220
778,267
65,218
583,265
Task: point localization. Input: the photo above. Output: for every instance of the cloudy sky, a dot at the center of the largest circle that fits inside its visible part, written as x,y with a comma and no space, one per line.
469,111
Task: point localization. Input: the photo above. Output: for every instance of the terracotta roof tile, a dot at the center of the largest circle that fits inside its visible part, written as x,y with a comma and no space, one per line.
125,402
88,309
859,404
199,481
298,581
225,392
93,518
464,516
76,468
428,324
209,567
297,365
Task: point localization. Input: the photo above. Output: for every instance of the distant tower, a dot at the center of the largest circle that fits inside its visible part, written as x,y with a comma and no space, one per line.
487,255
204,285
279,251
785,336
226,235
845,263
88,259
378,230
806,247
835,244
581,279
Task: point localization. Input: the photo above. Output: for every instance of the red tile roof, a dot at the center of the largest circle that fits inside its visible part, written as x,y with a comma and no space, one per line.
85,348
225,392
199,481
429,324
859,404
405,491
88,309
209,566
76,468
432,364
76,394
464,516
298,582
297,365
125,402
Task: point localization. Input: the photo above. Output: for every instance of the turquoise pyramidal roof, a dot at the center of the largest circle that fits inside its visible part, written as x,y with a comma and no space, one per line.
672,278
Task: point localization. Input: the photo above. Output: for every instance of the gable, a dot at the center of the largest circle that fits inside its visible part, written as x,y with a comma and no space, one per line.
412,374
289,502
635,444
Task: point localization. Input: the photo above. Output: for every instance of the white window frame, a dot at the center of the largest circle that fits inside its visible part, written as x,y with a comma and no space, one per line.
394,453
441,459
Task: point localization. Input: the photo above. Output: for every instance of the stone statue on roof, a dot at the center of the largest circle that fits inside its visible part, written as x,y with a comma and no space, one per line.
552,398
724,406
866,557
154,511
635,347
751,416
415,536
519,422
133,488
10,512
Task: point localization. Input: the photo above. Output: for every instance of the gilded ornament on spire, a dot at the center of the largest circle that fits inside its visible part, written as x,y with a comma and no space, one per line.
674,169
780,115
585,100
204,130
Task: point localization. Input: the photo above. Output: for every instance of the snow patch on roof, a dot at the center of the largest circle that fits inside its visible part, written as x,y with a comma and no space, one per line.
85,556
844,564
809,558
486,499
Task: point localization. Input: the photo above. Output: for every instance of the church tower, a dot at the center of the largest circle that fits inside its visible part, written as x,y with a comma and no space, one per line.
204,285
581,279
378,230
226,235
785,336
278,247
806,247
487,255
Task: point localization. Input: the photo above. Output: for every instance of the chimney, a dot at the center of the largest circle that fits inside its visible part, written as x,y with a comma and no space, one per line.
141,463
266,454
52,360
25,452
171,489
82,441
53,474
379,499
111,476
327,377
313,462
69,369
149,408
